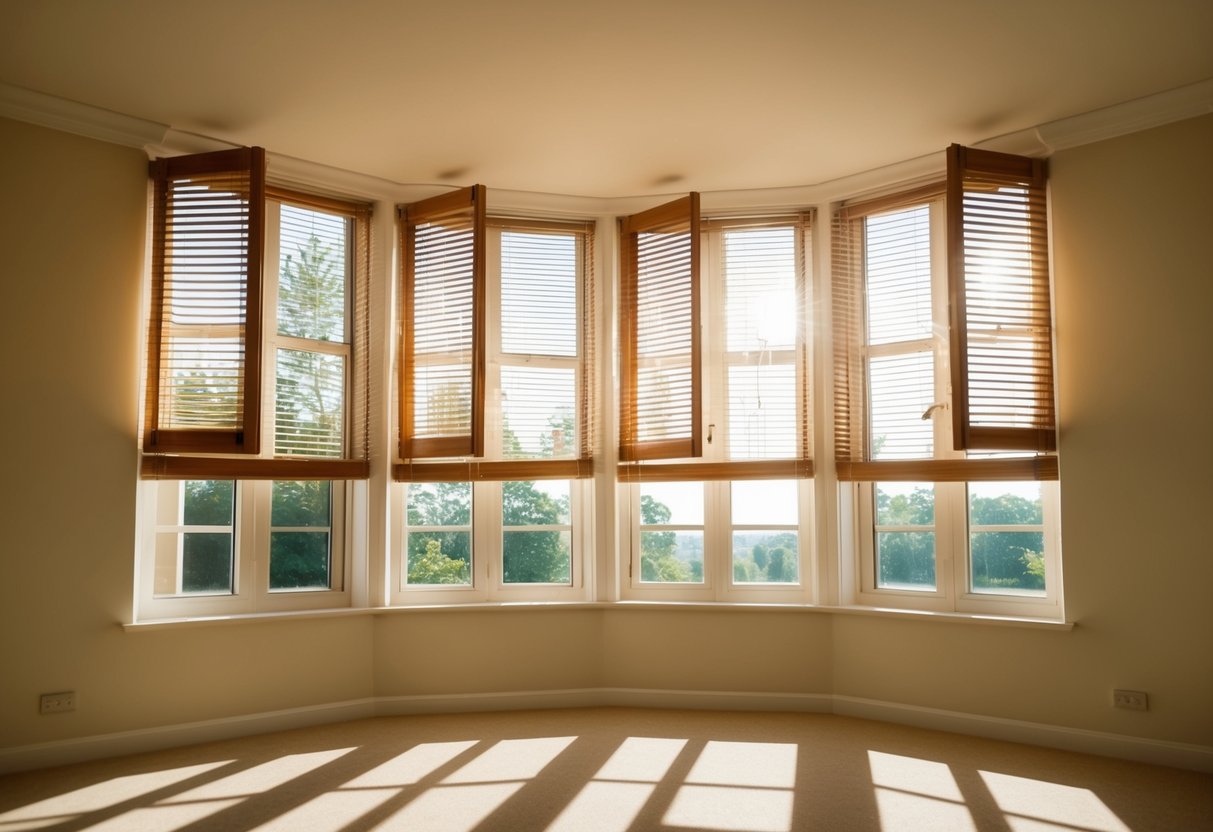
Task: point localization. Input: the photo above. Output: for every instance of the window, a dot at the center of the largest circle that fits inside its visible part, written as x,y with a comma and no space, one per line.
734,524
495,507
937,523
265,530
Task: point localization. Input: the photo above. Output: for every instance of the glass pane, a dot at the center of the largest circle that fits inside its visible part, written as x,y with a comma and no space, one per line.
762,410
536,557
442,399
765,557
756,502
312,274
905,560
760,289
898,268
299,560
206,562
208,502
542,503
309,413
905,504
1008,563
677,503
537,407
663,396
1005,504
671,557
301,503
439,558
902,389
439,504
539,293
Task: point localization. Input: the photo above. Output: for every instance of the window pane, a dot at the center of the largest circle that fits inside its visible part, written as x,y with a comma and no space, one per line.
898,269
305,503
309,416
442,396
206,562
299,560
435,556
663,393
678,503
312,274
1003,559
762,411
539,293
208,502
756,502
905,560
541,503
760,289
905,504
902,389
536,557
537,405
765,557
671,557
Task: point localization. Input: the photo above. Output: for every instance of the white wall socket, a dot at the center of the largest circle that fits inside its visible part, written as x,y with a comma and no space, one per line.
1134,700
57,703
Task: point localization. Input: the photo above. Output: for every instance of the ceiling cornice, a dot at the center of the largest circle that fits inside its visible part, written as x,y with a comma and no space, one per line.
1043,140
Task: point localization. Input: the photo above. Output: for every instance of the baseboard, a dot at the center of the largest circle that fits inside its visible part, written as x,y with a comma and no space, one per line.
1139,749
62,752
1158,752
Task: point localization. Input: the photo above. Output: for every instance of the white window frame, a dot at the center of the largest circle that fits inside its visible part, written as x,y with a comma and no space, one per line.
952,593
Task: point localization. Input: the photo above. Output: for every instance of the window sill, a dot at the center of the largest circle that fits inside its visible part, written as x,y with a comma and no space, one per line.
535,606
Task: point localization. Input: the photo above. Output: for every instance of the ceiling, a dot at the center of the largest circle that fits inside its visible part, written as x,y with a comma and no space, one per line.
630,97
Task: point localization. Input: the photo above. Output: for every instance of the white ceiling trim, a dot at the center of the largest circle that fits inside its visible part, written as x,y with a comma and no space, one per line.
161,140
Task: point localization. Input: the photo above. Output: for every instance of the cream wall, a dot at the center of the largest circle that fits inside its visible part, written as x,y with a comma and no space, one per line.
1133,333
72,218
1132,224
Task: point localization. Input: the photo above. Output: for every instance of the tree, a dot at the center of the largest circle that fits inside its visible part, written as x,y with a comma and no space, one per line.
433,567
206,557
300,558
658,550
533,557
439,504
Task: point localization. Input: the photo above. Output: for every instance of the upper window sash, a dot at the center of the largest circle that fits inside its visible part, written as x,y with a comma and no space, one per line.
204,337
442,349
998,286
660,354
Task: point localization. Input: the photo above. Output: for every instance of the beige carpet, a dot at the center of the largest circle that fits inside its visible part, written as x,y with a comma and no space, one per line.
609,770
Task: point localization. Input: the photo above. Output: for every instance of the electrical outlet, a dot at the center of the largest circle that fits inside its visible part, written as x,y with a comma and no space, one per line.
1134,700
57,703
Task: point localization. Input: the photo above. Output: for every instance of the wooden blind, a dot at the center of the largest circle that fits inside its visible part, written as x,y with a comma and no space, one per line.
660,363
204,338
442,243
998,286
887,282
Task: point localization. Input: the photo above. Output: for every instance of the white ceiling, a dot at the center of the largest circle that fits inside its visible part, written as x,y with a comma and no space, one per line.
604,98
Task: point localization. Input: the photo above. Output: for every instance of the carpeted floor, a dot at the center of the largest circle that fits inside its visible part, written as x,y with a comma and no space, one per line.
609,770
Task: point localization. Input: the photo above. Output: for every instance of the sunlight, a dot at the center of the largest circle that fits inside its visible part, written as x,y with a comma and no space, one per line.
260,778
641,759
511,760
751,791
640,762
163,818
731,809
411,766
1040,806
330,812
451,808
98,796
765,764
914,794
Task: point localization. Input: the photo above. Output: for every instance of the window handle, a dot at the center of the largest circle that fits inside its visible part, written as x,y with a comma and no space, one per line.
930,411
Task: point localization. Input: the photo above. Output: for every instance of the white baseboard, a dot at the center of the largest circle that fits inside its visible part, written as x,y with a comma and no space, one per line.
1158,752
62,752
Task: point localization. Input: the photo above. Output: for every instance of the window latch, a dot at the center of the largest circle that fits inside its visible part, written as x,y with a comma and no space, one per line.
930,411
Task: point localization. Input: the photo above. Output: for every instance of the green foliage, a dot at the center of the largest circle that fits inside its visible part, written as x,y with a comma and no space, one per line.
771,560
206,557
433,567
660,557
311,293
533,557
300,559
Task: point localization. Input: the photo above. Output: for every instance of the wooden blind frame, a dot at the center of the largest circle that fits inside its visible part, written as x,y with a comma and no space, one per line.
493,470
764,469
852,451
988,378
246,167
466,205
678,217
